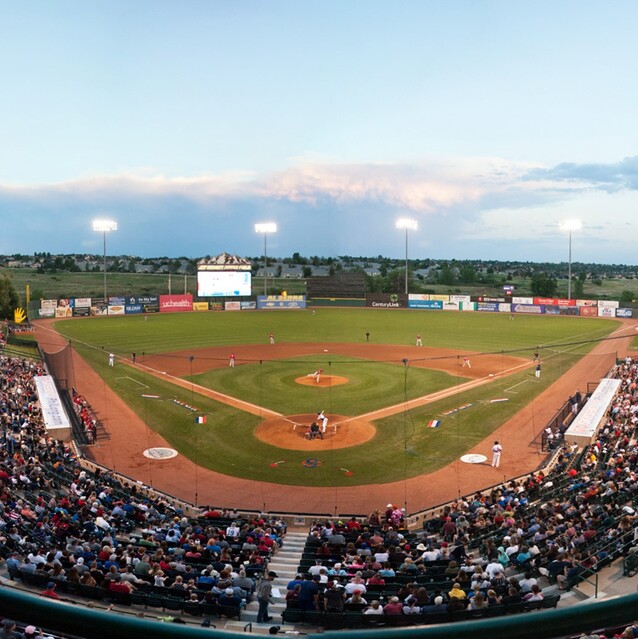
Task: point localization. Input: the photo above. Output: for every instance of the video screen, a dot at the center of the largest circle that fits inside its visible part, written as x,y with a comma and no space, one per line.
223,283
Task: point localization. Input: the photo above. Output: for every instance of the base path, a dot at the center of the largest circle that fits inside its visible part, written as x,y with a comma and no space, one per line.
128,436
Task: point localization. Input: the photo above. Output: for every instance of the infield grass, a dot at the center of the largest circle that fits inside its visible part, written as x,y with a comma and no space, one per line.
403,446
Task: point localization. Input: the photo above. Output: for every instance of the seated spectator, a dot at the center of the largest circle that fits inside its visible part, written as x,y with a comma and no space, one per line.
534,595
374,608
393,607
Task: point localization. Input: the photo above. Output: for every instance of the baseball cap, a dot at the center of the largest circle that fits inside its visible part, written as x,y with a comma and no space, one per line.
229,591
273,574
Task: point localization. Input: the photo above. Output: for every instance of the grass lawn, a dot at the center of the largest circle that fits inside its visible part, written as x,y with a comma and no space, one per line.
403,446
371,385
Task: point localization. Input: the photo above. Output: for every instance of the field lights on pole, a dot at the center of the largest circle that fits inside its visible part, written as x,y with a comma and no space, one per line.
104,227
409,225
569,226
265,228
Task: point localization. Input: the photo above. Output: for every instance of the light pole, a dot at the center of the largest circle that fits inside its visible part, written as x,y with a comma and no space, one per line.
409,225
265,228
569,226
104,226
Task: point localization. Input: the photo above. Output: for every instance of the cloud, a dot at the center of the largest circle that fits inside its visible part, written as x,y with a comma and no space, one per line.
610,177
323,208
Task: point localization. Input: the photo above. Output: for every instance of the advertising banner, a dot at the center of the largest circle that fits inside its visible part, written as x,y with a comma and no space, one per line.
561,310
552,310
451,306
81,311
531,309
440,298
47,312
435,305
483,298
250,305
175,303
522,300
460,299
117,301
385,300
608,304
64,311
504,308
232,306
553,301
82,302
99,307
468,306
588,311
117,309
133,309
215,306
586,303
490,307
606,311
281,301
200,306
624,312
146,303
49,304
423,297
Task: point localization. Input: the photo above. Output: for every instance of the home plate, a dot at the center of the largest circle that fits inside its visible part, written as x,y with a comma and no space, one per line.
473,459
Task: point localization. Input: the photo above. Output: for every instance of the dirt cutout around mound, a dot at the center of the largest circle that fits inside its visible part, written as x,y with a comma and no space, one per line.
290,432
325,381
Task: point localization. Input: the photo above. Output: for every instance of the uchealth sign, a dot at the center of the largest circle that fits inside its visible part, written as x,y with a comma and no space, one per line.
175,303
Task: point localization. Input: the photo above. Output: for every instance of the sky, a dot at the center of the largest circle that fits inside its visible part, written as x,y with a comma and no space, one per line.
487,122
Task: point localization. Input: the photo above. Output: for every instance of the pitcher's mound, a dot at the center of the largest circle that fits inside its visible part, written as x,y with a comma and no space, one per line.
289,432
324,381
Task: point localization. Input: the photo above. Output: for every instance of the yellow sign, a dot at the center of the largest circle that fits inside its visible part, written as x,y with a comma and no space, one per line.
19,315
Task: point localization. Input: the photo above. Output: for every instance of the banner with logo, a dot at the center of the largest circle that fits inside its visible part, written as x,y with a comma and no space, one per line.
588,311
232,306
200,306
434,305
249,305
490,307
460,299
451,306
440,298
531,309
468,306
53,304
484,298
553,301
422,297
175,303
82,302
522,300
117,309
586,303
608,304
606,311
624,312
133,309
47,312
215,306
81,311
281,301
504,308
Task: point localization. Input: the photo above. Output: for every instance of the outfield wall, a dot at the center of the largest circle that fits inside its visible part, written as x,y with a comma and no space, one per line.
141,304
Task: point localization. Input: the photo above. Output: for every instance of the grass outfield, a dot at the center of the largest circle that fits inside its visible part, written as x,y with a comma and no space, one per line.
163,333
406,447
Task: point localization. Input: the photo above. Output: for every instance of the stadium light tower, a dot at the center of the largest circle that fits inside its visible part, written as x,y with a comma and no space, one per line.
265,228
409,225
569,226
104,227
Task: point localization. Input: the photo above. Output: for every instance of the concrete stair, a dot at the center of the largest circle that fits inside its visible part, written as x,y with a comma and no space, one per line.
284,563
